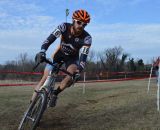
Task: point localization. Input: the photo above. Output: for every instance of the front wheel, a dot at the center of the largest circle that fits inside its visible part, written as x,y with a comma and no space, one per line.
34,112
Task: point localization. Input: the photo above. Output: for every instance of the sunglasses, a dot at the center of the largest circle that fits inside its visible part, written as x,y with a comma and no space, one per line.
81,23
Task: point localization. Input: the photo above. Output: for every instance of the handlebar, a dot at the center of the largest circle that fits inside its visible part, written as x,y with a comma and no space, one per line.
63,70
59,69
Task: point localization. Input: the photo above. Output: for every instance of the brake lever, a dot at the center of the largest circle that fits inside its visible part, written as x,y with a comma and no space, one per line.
36,66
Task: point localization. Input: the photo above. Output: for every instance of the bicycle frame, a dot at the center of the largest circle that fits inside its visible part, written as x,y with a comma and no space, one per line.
42,98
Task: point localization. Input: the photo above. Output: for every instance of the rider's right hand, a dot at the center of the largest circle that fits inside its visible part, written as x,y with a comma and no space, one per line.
40,57
77,76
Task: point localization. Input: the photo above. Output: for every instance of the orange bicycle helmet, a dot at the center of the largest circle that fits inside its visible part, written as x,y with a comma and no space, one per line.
81,15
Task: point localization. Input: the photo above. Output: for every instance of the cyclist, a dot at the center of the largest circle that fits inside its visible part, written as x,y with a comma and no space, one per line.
74,39
156,67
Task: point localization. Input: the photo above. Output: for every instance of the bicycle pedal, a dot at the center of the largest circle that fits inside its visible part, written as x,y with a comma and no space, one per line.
53,101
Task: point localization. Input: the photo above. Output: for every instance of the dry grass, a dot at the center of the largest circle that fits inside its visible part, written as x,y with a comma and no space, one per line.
105,106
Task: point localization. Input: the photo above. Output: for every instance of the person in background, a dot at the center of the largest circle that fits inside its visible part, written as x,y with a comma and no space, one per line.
156,66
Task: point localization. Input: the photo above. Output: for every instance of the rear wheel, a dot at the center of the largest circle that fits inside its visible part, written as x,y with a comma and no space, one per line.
34,112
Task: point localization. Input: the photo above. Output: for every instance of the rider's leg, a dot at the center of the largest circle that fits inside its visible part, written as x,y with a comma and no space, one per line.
67,81
47,69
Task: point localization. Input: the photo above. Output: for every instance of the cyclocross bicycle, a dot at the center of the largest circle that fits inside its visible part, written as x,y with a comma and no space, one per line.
33,114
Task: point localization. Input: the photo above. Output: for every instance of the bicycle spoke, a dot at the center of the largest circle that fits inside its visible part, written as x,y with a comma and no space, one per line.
33,115
30,118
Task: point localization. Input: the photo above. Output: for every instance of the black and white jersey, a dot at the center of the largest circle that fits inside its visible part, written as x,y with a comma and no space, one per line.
70,45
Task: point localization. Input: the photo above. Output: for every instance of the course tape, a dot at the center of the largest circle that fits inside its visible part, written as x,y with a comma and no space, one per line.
40,73
89,81
25,73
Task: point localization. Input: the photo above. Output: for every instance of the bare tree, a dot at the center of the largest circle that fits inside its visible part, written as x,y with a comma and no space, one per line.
22,60
112,57
102,58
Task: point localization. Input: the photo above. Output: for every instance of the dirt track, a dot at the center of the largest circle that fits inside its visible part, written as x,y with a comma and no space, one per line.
104,106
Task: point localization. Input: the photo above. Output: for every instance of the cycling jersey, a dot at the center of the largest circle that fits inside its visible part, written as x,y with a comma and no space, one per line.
70,45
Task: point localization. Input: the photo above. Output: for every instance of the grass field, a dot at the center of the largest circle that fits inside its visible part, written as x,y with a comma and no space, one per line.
104,106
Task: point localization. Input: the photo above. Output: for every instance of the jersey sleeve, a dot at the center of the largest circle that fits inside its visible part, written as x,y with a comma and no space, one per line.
88,40
53,36
84,52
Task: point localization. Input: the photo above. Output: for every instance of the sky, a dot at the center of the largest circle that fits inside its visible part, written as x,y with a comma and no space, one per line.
132,24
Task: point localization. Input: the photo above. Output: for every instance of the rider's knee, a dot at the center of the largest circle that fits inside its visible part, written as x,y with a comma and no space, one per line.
48,67
72,68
